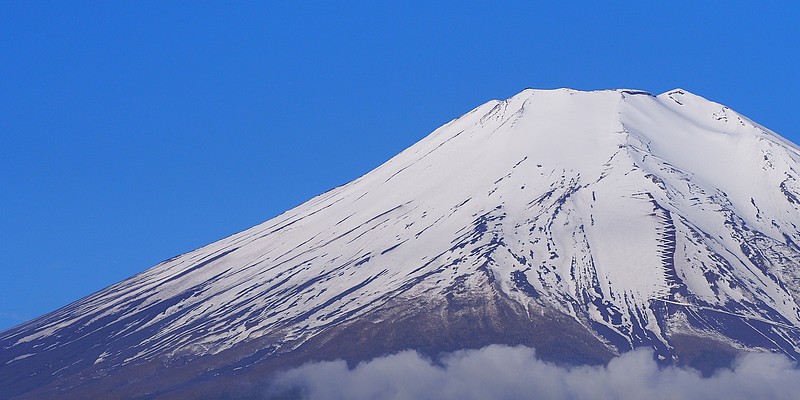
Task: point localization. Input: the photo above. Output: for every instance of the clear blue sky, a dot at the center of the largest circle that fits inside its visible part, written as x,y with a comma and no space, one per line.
135,131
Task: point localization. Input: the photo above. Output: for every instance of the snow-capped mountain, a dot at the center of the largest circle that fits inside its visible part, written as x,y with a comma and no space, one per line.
583,224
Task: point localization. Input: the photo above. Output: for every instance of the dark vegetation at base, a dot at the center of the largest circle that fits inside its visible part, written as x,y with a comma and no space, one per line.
453,324
703,354
444,328
456,322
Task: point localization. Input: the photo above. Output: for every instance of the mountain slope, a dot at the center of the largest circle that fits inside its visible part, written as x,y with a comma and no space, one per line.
581,223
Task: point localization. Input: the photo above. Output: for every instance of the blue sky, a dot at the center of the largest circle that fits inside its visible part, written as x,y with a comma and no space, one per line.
135,131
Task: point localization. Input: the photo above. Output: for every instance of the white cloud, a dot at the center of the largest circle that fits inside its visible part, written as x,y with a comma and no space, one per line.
500,372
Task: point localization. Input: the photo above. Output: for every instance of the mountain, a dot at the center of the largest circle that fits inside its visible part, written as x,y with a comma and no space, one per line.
583,224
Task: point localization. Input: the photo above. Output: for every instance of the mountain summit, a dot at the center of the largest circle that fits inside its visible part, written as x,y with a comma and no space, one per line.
584,224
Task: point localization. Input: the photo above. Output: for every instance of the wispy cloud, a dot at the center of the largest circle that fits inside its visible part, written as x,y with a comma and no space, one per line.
499,372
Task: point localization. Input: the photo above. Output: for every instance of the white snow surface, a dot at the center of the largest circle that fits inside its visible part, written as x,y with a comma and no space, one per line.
609,203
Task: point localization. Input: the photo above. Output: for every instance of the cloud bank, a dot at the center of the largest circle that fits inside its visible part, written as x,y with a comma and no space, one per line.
500,372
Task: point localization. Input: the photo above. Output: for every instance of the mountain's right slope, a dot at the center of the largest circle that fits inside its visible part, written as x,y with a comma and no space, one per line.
720,194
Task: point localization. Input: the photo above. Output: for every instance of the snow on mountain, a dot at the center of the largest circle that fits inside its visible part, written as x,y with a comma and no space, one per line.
622,218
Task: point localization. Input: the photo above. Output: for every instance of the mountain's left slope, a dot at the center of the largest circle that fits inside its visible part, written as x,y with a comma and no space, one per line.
584,224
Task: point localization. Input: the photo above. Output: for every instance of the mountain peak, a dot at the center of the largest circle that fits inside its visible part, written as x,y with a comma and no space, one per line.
527,92
584,224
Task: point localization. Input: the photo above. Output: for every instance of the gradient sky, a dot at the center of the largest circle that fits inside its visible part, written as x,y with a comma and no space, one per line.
135,131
